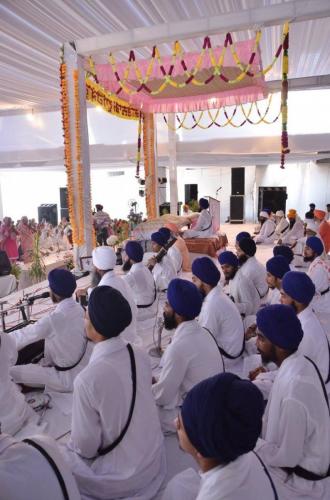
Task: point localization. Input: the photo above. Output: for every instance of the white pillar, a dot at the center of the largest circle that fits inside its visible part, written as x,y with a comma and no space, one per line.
75,62
172,163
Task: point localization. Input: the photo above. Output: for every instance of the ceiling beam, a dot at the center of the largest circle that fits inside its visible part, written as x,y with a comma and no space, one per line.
271,15
303,83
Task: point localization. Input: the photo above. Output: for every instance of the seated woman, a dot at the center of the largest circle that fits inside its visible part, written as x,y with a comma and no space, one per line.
203,228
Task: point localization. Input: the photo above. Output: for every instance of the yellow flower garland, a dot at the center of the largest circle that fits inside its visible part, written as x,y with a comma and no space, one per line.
80,170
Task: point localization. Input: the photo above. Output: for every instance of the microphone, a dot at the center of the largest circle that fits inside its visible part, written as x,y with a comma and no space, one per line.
43,295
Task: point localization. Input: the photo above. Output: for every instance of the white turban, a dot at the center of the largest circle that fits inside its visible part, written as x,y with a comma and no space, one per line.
104,258
264,214
279,213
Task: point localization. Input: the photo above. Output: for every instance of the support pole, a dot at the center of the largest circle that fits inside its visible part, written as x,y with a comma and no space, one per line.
150,165
78,172
172,163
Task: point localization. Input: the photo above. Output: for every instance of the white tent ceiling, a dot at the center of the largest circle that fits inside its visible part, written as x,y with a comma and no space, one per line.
32,32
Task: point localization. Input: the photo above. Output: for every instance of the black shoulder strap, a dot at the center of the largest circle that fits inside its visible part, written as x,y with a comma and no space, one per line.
66,368
268,475
216,343
52,464
109,448
321,380
222,351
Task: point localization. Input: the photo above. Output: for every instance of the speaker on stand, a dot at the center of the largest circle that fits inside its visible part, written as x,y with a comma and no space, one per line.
64,209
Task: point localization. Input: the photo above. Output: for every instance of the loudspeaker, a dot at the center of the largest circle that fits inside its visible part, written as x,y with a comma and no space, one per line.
64,197
48,212
65,213
5,265
237,209
190,192
237,181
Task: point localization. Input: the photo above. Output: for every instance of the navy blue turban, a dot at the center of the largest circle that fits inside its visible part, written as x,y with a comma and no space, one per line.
158,238
184,297
222,416
299,287
62,282
228,258
279,324
134,251
285,251
241,235
109,311
248,246
278,266
205,269
203,203
165,232
315,244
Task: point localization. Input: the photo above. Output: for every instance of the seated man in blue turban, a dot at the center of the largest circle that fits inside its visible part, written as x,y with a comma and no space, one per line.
319,272
276,268
161,264
250,267
116,445
219,315
190,357
173,252
64,335
219,424
203,227
296,425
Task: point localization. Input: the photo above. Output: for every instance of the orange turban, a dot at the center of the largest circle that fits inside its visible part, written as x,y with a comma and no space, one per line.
292,213
319,214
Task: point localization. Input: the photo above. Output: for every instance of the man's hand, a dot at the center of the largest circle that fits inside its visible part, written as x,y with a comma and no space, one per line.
254,373
251,332
152,262
81,292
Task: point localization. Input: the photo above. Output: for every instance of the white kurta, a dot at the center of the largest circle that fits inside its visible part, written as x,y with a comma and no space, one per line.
298,253
267,233
65,341
273,297
282,228
294,234
163,272
319,273
296,427
117,282
141,282
244,293
256,273
191,357
242,479
203,228
14,410
101,401
26,475
220,315
176,256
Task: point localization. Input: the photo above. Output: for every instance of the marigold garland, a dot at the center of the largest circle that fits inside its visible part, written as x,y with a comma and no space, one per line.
139,143
284,97
80,169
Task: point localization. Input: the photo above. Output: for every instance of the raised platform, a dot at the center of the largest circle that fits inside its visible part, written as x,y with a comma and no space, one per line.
208,246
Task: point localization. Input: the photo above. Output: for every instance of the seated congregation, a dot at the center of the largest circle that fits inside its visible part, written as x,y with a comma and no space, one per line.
244,379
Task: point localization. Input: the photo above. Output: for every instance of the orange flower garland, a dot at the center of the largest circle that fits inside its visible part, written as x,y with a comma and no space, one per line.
149,164
80,170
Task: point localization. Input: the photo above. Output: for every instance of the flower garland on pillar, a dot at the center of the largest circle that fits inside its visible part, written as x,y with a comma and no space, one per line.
139,143
149,164
67,146
284,96
80,171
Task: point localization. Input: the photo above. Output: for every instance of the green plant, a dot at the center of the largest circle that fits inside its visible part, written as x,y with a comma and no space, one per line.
16,270
37,270
193,205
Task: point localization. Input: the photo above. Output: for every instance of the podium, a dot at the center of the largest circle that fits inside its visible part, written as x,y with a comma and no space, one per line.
215,212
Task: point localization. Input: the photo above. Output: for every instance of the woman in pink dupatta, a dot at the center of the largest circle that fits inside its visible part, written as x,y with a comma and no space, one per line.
26,235
8,237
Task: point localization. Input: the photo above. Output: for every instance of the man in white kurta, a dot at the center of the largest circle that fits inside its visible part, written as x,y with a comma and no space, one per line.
319,272
282,225
219,314
140,281
250,267
14,411
296,230
221,441
276,268
173,252
66,347
267,231
190,357
26,473
163,269
296,428
203,227
237,287
103,401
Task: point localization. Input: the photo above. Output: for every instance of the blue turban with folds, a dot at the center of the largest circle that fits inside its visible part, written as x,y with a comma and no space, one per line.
134,251
299,287
228,258
165,232
279,324
278,266
315,244
205,269
203,203
109,311
222,416
285,251
241,235
184,298
248,246
62,282
158,238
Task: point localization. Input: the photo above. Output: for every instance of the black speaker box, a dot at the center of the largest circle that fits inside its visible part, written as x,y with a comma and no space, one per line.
5,265
64,197
49,213
237,180
237,209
